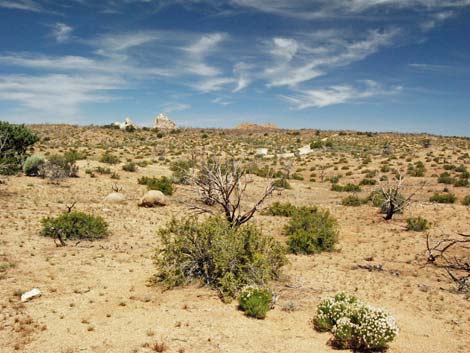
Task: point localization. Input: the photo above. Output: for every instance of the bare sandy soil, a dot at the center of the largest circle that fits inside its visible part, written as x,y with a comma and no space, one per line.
96,296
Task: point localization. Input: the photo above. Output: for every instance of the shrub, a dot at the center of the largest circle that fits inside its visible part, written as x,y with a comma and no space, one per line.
346,188
354,324
311,230
462,182
14,143
102,170
282,183
445,178
129,167
352,200
109,158
181,171
32,165
466,200
368,181
443,198
60,166
74,225
164,184
417,224
255,302
281,209
216,254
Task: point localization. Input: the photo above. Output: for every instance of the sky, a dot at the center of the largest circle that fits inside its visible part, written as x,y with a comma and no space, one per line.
374,65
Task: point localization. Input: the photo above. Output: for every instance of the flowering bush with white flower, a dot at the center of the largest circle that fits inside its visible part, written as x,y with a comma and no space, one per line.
354,324
255,302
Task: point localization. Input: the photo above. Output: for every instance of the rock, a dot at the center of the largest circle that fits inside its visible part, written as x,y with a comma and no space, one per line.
261,151
163,122
153,198
127,124
115,197
30,295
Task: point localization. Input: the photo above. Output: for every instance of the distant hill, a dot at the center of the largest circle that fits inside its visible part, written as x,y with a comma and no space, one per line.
252,126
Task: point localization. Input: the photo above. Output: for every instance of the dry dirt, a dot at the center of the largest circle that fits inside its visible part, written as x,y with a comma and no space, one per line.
96,296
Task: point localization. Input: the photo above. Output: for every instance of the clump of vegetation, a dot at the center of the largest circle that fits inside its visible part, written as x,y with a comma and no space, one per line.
346,188
74,225
417,170
353,200
417,224
129,167
33,165
311,230
218,255
109,158
164,184
255,302
14,143
281,209
60,166
182,171
466,200
282,183
443,198
355,325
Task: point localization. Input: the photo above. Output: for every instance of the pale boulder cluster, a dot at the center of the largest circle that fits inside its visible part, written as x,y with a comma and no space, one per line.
302,151
161,122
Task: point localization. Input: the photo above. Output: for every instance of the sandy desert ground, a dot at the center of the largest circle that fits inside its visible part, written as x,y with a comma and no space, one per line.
96,296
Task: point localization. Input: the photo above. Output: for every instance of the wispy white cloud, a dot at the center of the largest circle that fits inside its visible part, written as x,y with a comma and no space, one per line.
61,32
175,107
339,94
24,5
57,95
436,19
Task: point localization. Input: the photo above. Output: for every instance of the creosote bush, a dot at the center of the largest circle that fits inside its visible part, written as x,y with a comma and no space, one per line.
355,325
353,200
311,230
109,158
129,167
417,224
163,184
74,225
32,165
255,302
281,209
443,198
216,254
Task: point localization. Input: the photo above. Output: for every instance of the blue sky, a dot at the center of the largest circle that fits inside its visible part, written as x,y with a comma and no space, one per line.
394,65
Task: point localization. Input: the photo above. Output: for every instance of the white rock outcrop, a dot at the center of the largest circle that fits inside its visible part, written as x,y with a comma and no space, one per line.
127,123
115,197
153,198
163,122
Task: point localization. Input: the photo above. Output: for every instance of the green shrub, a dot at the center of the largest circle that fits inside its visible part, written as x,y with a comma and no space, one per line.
462,182
102,170
355,325
346,188
311,230
443,198
15,141
445,178
281,209
466,200
129,167
217,255
109,158
367,181
164,184
74,225
255,302
33,165
417,224
60,166
352,200
181,171
282,183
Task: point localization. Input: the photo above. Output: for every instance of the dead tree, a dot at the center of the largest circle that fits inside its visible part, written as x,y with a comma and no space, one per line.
454,256
224,185
393,200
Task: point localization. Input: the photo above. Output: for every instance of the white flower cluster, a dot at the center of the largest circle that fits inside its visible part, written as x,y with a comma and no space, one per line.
355,324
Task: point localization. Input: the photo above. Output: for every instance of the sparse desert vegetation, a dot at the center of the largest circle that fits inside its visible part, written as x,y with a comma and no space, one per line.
360,242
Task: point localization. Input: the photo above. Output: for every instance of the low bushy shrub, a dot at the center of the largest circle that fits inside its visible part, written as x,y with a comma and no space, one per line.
282,183
311,230
60,166
164,184
255,302
281,209
33,165
181,171
352,200
355,325
443,198
346,188
417,224
74,225
217,255
109,158
129,167
466,200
